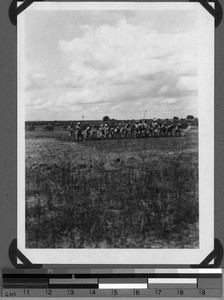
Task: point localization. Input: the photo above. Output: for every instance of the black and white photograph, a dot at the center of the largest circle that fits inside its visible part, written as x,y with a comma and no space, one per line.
115,132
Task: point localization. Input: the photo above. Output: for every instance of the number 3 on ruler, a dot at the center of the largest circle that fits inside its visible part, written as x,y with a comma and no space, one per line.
71,292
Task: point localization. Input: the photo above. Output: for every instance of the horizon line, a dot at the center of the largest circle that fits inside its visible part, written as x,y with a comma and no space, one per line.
111,119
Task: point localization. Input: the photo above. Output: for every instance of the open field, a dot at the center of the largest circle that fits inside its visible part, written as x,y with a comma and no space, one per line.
136,193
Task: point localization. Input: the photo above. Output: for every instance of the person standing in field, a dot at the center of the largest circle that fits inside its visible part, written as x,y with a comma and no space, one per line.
163,129
127,130
94,131
170,130
87,133
79,131
145,126
136,129
71,130
117,132
132,130
112,133
106,131
140,129
177,130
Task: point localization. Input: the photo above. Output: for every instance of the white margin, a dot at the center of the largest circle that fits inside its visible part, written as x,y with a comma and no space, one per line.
206,149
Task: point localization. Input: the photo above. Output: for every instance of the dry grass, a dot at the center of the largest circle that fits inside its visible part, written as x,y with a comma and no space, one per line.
111,194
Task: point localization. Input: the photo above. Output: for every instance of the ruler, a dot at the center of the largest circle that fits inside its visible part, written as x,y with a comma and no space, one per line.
112,283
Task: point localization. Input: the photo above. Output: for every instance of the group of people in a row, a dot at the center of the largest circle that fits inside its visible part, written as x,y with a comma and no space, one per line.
138,129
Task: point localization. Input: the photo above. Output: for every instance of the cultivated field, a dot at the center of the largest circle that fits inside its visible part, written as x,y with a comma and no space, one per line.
136,193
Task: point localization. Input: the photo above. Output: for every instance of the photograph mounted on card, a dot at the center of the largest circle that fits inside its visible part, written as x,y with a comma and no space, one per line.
115,133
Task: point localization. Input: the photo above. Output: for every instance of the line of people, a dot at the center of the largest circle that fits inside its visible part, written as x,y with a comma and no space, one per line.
139,129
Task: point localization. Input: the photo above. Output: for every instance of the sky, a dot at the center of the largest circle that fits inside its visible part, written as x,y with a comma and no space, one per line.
116,63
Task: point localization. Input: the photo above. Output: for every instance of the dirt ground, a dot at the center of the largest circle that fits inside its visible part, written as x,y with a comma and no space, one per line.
136,193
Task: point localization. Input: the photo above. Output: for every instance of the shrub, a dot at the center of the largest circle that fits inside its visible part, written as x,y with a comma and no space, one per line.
48,127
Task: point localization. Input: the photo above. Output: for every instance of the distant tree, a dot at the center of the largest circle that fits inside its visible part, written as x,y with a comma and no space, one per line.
48,127
175,118
196,121
31,128
190,117
106,119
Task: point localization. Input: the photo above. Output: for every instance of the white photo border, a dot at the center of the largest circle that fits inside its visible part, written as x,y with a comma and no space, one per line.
206,149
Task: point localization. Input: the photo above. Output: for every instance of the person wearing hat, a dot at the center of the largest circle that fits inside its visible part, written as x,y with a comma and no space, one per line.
106,131
87,133
177,130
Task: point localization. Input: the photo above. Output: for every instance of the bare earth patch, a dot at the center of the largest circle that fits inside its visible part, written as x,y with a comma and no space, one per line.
137,193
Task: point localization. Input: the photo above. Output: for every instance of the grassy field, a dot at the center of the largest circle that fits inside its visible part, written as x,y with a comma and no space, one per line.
137,193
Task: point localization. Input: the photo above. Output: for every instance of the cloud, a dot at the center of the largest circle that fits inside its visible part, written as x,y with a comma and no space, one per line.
163,90
169,100
35,81
187,83
120,66
69,83
120,62
36,99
